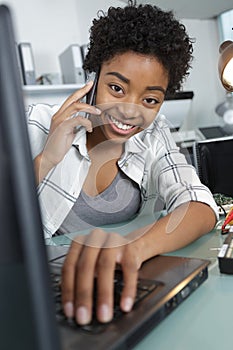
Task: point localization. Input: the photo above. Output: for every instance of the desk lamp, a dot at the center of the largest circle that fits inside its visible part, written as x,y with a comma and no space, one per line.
225,68
225,64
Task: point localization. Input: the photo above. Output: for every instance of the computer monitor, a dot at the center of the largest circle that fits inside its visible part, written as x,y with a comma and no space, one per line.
176,108
213,159
23,261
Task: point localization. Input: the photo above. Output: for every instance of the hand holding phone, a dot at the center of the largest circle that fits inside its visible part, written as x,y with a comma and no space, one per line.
65,123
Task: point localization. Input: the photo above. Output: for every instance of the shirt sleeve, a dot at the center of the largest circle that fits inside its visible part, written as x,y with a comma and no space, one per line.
38,120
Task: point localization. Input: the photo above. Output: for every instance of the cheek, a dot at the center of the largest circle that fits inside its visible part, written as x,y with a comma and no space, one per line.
102,96
149,117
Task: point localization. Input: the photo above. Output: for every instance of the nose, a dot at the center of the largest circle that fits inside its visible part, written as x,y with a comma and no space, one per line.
130,110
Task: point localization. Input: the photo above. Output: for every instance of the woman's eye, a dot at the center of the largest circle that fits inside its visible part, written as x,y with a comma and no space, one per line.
116,88
151,101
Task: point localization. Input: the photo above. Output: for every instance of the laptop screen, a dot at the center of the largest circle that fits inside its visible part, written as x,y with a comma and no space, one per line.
25,301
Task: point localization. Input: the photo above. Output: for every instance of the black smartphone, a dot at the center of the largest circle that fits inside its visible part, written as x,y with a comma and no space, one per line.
91,95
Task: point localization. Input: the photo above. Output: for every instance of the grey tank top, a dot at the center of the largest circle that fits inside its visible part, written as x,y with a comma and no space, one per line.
117,203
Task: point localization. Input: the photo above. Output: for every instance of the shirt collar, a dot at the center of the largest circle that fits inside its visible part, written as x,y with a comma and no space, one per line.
136,143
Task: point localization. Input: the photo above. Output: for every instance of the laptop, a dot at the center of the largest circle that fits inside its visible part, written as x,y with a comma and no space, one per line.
30,319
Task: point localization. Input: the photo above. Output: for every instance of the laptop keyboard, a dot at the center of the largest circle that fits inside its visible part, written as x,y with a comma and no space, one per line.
144,287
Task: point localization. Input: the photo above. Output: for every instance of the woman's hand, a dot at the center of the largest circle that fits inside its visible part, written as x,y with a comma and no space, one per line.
96,255
62,131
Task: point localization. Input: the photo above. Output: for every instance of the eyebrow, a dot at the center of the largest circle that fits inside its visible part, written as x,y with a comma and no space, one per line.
120,76
156,88
126,80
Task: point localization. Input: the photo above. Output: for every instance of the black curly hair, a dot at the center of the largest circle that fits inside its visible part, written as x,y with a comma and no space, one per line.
144,29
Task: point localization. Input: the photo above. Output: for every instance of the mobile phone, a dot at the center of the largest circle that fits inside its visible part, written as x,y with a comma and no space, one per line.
91,95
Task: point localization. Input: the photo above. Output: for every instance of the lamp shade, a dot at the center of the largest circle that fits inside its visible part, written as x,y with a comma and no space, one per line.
225,64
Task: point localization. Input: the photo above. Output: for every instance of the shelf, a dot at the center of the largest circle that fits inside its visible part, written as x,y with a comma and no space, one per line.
35,89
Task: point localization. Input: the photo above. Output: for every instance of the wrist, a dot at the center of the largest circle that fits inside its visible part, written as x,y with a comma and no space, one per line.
42,167
143,242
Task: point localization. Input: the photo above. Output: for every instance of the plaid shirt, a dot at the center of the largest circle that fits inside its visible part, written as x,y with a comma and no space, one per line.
151,159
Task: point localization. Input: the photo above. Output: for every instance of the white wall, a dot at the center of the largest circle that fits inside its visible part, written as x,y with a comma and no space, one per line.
49,25
88,9
203,79
52,25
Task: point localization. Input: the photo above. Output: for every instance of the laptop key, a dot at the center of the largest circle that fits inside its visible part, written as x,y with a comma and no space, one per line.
144,287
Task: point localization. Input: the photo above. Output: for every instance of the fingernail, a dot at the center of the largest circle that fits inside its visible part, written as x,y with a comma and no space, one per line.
127,304
89,82
98,111
105,314
82,315
119,257
69,309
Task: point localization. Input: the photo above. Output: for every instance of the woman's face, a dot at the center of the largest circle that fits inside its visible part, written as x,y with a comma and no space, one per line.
130,92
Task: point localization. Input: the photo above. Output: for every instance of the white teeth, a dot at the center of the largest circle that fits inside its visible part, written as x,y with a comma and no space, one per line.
120,125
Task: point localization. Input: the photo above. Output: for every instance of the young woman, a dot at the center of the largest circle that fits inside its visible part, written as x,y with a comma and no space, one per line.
119,162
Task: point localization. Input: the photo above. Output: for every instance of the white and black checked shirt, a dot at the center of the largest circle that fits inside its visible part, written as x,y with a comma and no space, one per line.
151,159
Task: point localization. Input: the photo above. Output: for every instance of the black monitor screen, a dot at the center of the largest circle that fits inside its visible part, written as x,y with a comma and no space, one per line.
214,160
27,319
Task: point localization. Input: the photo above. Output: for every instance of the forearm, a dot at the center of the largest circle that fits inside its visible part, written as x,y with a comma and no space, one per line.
41,168
176,230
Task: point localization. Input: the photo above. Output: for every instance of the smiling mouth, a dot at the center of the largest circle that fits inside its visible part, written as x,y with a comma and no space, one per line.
119,126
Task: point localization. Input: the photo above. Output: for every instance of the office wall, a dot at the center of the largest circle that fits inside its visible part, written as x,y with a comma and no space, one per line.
203,79
52,25
49,25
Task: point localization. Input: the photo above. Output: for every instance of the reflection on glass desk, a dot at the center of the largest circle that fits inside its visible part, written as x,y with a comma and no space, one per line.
203,321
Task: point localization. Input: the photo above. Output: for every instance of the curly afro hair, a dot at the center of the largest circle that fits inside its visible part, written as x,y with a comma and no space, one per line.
144,29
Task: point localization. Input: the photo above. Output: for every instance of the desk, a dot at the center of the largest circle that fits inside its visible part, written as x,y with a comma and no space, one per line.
204,320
